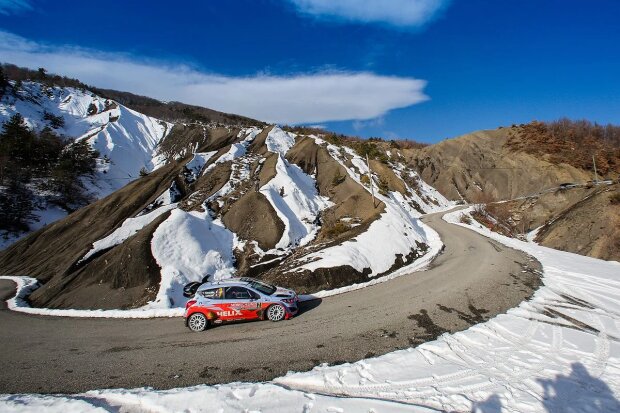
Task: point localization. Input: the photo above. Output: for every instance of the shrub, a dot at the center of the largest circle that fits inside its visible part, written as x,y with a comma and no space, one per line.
338,179
465,219
384,187
332,231
55,121
92,109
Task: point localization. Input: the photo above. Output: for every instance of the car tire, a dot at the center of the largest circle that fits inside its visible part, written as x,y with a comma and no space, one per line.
197,322
276,312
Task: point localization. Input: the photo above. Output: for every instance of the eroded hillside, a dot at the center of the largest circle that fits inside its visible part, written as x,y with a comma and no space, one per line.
288,208
544,173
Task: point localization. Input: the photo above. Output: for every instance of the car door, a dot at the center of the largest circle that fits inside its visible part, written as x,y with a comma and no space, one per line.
241,303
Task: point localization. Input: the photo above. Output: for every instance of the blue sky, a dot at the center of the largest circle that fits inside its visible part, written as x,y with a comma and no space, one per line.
421,69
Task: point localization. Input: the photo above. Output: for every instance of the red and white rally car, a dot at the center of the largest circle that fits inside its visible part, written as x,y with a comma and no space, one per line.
238,299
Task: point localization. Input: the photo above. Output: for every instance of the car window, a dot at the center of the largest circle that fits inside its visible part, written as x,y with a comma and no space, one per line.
264,288
213,293
237,293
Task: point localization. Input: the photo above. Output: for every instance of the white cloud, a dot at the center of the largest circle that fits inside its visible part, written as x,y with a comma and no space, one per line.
305,98
8,7
400,13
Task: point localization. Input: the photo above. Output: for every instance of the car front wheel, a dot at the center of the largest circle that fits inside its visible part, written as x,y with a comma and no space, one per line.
276,312
197,322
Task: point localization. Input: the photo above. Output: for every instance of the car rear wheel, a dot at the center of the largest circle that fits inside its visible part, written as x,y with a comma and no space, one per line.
276,312
197,322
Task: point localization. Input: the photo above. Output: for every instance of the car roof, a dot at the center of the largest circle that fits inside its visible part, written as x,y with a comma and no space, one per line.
244,282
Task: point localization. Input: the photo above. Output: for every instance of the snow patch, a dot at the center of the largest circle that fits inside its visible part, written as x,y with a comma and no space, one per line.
129,227
558,351
279,141
294,197
196,164
397,231
187,246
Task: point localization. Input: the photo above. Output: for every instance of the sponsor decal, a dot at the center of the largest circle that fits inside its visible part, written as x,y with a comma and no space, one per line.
230,313
244,306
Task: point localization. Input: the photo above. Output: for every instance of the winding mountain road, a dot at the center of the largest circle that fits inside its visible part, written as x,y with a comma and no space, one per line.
474,279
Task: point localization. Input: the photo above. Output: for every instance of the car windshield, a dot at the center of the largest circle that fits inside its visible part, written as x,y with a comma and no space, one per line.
264,288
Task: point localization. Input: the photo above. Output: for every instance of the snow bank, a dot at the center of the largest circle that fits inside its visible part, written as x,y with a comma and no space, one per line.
557,352
264,397
435,247
187,246
25,286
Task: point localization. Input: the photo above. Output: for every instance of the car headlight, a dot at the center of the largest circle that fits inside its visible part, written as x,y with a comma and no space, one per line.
288,300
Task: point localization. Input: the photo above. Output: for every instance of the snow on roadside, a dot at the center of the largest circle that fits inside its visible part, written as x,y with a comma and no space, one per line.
26,285
524,361
435,247
559,351
187,246
235,397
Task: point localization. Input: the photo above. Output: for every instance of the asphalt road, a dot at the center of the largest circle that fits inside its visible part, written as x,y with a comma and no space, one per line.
474,279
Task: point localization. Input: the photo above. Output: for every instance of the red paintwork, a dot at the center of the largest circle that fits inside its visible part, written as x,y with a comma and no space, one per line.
232,311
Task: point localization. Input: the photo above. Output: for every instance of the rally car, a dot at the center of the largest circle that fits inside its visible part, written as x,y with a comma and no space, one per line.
238,299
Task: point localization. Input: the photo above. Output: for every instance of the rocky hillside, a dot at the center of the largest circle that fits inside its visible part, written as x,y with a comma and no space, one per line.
546,173
482,162
206,198
188,196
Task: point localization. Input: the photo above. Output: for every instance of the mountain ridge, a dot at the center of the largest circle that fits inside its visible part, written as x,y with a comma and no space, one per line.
298,209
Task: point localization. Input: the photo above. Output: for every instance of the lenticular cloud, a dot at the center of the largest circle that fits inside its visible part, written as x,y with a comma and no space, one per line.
301,98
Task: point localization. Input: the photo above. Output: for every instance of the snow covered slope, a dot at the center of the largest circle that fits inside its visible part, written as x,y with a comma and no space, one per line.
245,202
125,137
126,140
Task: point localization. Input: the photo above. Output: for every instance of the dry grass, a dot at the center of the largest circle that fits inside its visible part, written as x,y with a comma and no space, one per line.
334,230
571,142
465,219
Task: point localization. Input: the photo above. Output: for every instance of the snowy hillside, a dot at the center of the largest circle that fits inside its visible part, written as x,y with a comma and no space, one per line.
247,201
126,140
